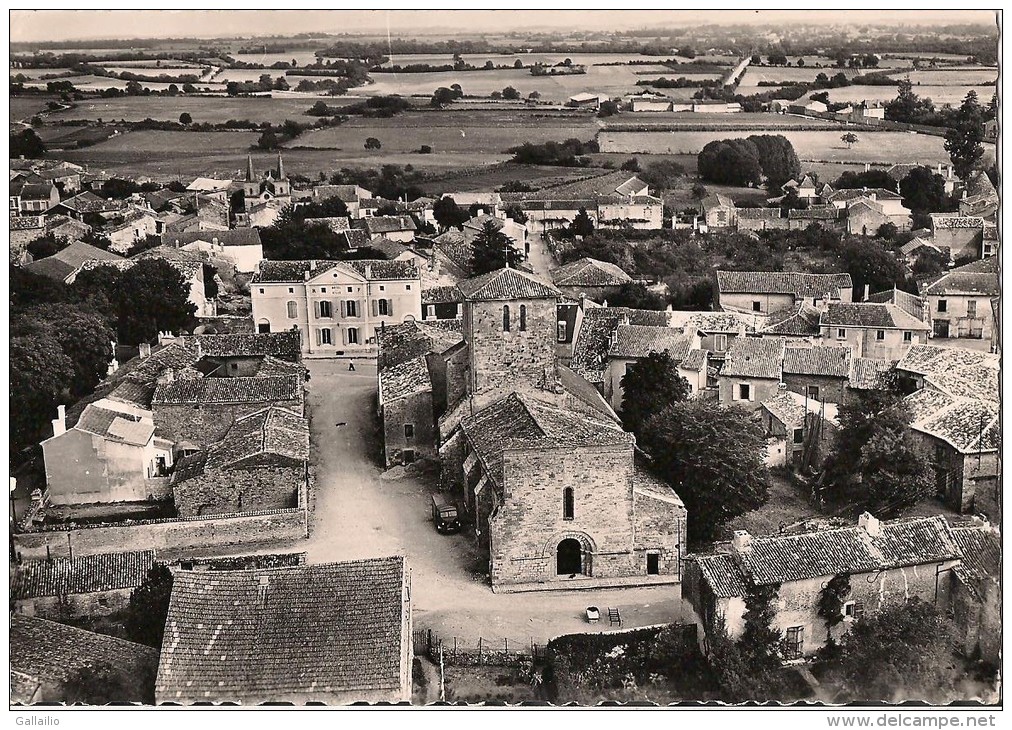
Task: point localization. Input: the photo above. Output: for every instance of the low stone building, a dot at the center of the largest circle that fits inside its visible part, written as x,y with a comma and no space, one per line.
752,371
333,633
958,303
976,590
261,464
762,292
45,654
885,562
818,373
799,431
79,586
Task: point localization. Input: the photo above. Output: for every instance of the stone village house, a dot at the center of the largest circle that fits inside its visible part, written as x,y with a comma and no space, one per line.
886,561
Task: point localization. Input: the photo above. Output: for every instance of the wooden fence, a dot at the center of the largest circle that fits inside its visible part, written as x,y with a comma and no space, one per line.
453,651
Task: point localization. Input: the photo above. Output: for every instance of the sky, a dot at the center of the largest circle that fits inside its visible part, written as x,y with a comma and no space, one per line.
57,25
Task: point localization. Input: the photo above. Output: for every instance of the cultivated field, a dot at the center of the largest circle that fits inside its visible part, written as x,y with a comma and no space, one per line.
938,94
497,175
783,74
273,109
696,119
465,131
893,147
952,76
24,107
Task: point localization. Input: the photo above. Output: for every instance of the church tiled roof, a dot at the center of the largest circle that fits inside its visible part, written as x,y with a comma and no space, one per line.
507,284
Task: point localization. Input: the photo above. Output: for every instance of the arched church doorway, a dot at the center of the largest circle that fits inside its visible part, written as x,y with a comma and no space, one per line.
569,557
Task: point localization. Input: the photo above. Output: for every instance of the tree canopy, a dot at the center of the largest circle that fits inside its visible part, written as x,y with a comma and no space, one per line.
744,162
491,249
149,606
649,386
713,457
448,214
963,140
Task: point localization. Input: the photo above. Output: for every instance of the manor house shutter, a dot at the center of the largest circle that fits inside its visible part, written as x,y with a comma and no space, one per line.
344,309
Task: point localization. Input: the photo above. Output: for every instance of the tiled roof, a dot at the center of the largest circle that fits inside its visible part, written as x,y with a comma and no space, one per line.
819,213
980,544
355,238
712,322
967,424
406,341
338,224
345,193
36,191
915,243
590,349
132,391
800,319
189,269
716,200
722,574
521,422
273,431
759,213
978,277
387,249
27,222
590,272
694,361
866,372
233,237
958,371
506,284
870,314
122,426
854,193
784,405
783,282
831,362
754,357
404,378
295,271
587,189
442,295
69,259
81,574
53,651
88,202
632,340
276,634
387,224
285,345
229,390
650,485
950,221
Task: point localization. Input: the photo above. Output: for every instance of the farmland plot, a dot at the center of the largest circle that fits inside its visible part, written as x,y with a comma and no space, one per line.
938,94
273,109
885,147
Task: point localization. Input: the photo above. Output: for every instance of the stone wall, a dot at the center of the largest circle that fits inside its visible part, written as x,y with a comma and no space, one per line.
78,605
205,424
221,492
500,358
165,535
415,410
831,390
762,224
660,529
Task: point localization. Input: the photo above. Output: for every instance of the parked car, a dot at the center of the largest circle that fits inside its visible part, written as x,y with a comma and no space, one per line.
444,514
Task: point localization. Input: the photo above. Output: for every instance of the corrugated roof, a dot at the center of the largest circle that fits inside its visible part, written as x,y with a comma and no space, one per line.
259,635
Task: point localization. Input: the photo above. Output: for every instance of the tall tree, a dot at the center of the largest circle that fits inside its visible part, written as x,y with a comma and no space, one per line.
83,335
448,214
870,263
39,372
583,224
923,190
713,457
27,144
635,295
149,607
964,139
491,247
875,462
649,386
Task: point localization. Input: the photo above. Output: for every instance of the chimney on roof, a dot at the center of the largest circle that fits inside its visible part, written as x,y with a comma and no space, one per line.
262,587
869,524
867,292
60,422
867,167
144,350
368,271
742,542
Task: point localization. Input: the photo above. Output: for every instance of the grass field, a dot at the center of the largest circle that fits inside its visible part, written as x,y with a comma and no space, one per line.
938,94
203,109
24,107
779,74
167,156
953,76
470,131
811,145
692,119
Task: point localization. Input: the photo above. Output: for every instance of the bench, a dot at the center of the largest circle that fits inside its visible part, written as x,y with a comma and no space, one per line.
614,617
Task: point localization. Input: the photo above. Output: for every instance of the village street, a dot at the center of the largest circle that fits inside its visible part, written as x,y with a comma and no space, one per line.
361,512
